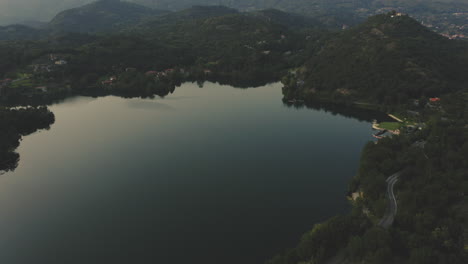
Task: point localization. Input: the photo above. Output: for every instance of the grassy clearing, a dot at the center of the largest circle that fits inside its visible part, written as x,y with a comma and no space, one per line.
23,83
24,75
390,125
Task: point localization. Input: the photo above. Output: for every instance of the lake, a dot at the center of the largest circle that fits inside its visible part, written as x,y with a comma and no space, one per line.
206,175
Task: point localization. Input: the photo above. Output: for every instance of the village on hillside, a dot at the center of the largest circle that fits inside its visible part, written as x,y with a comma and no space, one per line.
46,77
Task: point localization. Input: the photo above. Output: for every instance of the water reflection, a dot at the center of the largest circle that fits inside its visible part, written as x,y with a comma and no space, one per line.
148,105
218,175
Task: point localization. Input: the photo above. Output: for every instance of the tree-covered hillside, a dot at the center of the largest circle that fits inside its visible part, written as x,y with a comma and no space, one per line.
444,16
388,59
16,32
101,16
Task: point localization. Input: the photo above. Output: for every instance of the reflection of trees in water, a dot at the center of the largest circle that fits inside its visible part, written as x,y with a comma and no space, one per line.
15,124
18,123
342,110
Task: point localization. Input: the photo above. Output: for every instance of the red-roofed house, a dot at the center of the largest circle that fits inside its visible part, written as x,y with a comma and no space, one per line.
149,73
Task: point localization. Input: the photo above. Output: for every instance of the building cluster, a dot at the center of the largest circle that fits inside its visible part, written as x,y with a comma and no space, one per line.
454,36
397,15
160,74
57,59
155,74
49,64
109,81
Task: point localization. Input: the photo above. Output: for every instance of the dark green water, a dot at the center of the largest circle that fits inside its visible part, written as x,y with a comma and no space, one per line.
212,175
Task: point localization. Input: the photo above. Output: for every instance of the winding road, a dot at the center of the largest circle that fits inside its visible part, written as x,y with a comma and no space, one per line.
389,217
385,222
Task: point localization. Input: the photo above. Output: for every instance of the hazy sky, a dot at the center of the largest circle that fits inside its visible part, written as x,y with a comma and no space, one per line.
43,10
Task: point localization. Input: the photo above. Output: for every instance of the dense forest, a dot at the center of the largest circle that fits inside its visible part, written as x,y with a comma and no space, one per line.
432,219
440,15
387,60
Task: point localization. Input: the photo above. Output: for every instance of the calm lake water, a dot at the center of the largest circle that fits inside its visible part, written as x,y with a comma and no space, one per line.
206,176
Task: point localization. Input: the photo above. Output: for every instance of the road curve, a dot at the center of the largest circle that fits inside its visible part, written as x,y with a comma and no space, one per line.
385,222
389,217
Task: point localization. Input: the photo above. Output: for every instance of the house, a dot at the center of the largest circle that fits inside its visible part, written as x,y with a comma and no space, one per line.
397,15
41,89
434,100
61,62
151,73
6,81
107,82
413,113
39,68
207,71
54,57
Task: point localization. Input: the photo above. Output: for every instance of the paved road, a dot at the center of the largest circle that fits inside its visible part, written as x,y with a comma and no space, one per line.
385,222
389,217
18,80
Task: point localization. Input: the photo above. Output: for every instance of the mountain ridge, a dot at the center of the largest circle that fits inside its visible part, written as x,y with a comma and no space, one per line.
387,59
101,16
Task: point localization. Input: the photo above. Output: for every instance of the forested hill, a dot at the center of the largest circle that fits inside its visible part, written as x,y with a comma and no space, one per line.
102,16
15,32
183,17
290,20
388,59
196,14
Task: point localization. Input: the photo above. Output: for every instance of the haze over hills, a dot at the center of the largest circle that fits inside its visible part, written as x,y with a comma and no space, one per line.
101,16
113,16
444,16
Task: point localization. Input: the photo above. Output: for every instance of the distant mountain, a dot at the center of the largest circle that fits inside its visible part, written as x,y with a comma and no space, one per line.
444,16
201,12
388,59
182,17
20,32
291,20
315,8
102,16
299,6
34,24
